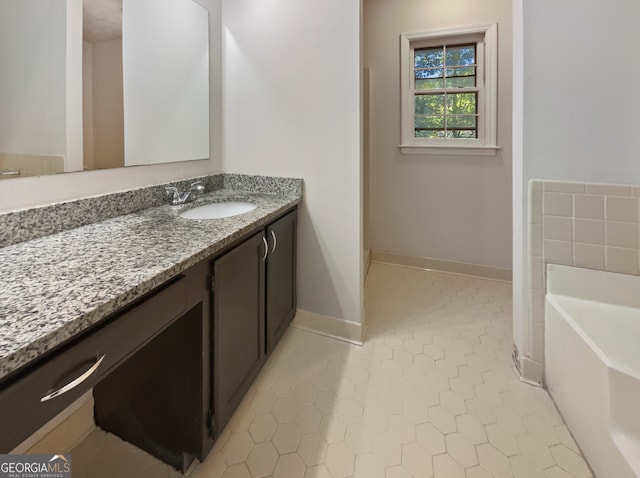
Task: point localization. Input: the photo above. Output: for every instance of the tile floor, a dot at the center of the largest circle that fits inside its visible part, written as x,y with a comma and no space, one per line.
433,393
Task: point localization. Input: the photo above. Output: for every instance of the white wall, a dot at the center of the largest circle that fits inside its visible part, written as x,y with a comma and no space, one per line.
292,108
520,256
164,50
32,47
34,191
366,170
442,207
580,116
579,121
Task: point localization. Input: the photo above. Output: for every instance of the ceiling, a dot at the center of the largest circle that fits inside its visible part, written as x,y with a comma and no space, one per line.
102,20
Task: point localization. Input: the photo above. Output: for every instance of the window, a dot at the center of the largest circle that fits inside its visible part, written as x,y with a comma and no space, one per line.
449,91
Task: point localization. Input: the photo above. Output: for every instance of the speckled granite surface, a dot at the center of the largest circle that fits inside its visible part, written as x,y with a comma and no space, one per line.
53,287
27,224
264,184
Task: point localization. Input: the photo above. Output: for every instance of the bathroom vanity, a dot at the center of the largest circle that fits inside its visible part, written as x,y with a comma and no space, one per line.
169,320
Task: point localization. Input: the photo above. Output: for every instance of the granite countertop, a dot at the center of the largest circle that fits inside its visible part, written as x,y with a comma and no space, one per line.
54,287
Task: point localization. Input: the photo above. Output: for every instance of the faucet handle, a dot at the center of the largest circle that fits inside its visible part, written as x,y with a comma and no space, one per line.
196,185
173,193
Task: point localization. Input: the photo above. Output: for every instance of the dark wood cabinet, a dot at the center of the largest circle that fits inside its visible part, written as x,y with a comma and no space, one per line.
112,342
177,362
238,325
281,277
254,300
154,400
159,399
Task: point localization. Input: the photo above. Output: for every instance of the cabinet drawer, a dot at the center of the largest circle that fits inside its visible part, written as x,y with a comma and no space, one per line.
22,410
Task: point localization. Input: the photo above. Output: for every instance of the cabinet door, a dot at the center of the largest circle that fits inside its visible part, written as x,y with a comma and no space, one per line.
281,277
238,335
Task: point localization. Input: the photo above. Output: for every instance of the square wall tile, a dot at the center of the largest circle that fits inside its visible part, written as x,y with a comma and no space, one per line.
589,255
621,260
588,231
558,252
622,234
557,204
621,209
596,226
588,207
558,228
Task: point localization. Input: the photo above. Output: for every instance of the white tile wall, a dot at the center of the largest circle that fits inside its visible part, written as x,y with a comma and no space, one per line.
557,204
595,226
588,231
588,206
621,209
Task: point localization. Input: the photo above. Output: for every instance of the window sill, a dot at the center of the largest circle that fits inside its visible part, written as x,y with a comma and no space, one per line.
449,150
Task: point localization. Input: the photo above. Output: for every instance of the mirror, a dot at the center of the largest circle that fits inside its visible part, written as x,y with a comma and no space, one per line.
93,84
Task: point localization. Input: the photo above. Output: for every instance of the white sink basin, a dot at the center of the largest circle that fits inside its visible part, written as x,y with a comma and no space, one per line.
218,210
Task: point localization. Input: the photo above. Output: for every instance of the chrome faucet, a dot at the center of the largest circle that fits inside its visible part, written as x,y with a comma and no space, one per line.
191,194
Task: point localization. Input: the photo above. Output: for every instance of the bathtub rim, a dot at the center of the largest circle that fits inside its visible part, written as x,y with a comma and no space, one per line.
556,301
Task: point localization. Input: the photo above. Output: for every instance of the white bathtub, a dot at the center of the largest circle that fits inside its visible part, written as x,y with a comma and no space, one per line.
592,365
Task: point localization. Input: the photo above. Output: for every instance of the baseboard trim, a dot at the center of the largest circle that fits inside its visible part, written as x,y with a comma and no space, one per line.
63,432
450,267
531,371
345,330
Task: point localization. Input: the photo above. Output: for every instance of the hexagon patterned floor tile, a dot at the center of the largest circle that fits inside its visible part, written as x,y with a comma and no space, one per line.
433,393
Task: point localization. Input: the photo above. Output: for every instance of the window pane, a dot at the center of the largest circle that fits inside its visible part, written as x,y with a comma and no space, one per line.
428,57
461,77
429,79
461,55
429,104
462,82
462,71
461,103
445,105
429,73
430,134
461,121
429,84
429,122
461,133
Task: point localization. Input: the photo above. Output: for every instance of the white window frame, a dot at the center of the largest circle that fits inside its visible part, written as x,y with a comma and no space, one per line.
487,81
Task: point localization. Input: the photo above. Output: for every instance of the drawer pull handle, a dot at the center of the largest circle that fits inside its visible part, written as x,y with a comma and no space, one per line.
74,383
275,242
266,248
